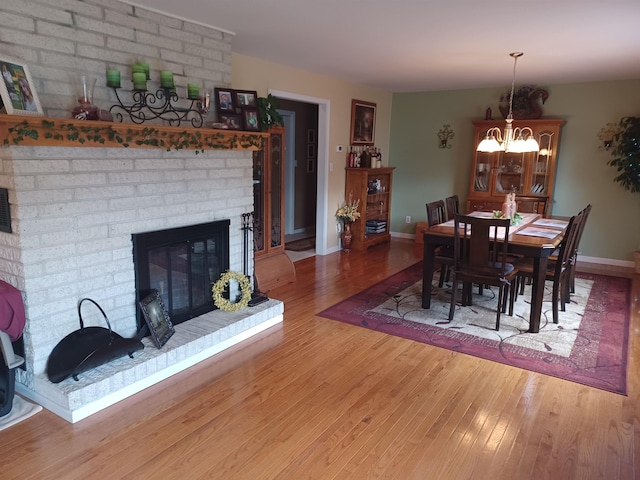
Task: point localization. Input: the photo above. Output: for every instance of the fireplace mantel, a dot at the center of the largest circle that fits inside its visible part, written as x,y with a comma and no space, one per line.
61,132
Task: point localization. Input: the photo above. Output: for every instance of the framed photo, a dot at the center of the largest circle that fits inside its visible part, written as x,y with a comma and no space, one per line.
311,136
157,318
363,122
246,98
311,165
16,89
311,150
224,99
233,121
251,119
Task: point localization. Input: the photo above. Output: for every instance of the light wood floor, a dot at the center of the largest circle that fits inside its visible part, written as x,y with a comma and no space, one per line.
315,398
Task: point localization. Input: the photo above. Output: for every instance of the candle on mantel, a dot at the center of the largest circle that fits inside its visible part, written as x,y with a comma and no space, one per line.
193,91
138,68
166,79
139,81
113,78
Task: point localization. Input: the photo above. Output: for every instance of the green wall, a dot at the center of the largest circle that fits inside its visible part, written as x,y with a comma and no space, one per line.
425,172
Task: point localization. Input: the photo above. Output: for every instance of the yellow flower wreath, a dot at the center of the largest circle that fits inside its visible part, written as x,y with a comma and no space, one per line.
219,287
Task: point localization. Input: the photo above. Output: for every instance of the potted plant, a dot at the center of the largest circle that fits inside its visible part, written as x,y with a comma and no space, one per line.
269,115
626,151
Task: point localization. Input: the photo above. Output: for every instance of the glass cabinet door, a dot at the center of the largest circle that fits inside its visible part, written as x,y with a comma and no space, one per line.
276,175
510,173
482,175
542,165
258,200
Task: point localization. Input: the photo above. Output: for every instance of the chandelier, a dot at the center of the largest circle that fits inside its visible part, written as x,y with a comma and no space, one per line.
513,140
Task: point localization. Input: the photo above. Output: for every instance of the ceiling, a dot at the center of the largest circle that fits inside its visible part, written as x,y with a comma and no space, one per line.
427,45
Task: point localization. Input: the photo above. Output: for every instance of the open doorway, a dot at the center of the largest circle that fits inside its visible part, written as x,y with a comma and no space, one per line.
306,186
301,126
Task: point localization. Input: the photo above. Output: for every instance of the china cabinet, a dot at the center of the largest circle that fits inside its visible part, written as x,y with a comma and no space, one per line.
530,174
272,266
372,186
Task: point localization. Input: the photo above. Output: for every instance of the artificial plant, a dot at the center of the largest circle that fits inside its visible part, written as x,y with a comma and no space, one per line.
627,154
268,110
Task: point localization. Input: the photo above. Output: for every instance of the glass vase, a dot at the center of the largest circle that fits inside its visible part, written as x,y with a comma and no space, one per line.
85,109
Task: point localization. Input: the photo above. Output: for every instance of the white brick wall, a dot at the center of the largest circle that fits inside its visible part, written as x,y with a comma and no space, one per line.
59,40
73,213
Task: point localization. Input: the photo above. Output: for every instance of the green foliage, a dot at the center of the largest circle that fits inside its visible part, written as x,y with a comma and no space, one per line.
149,137
627,154
267,109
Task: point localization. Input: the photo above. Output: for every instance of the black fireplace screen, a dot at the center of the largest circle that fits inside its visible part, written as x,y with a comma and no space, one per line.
182,264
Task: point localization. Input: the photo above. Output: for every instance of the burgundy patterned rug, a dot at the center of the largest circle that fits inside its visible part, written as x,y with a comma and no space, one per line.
589,345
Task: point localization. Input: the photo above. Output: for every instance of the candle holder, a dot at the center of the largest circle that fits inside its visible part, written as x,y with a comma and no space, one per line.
148,106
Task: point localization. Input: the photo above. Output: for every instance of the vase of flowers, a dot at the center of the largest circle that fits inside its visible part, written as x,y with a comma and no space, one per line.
348,213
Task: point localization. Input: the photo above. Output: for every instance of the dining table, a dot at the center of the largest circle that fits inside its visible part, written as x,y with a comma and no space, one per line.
532,236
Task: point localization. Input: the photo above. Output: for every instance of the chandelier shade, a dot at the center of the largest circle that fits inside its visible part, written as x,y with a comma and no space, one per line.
518,140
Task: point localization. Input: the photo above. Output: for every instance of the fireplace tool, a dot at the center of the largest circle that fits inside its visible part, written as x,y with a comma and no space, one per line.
247,227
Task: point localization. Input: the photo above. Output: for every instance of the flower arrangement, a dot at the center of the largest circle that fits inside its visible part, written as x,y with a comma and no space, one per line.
349,211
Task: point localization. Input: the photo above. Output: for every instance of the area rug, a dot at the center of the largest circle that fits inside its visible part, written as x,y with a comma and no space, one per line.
20,411
589,345
301,245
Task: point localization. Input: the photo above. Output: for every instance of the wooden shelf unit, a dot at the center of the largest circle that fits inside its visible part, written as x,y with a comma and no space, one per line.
375,203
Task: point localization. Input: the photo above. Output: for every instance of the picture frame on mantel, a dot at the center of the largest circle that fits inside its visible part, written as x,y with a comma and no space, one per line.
17,93
363,122
157,318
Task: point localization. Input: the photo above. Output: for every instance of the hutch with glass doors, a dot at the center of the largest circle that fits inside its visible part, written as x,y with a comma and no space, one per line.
272,266
530,175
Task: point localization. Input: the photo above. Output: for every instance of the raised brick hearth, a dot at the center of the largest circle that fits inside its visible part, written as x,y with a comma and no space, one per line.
73,212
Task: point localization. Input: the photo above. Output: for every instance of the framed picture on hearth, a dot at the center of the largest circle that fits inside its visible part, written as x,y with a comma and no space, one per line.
17,93
157,318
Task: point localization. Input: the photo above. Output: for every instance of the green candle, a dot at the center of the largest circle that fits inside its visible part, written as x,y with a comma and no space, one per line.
166,79
139,81
138,68
113,78
193,91
145,69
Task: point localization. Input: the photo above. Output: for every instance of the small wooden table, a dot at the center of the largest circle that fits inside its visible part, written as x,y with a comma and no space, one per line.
535,237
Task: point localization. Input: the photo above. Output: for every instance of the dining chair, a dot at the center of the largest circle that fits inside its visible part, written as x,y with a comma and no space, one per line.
533,205
558,269
480,256
452,205
574,258
436,214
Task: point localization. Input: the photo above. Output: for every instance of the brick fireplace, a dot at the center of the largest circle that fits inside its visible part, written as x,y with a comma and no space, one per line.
73,211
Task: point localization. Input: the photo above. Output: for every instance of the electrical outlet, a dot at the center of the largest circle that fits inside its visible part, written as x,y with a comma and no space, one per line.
339,148
407,219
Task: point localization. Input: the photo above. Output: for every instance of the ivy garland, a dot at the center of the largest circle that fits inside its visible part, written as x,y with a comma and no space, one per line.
148,136
220,286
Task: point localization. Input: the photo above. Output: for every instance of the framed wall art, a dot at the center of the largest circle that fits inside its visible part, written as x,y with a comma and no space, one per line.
246,98
233,121
17,90
157,318
363,122
224,99
251,119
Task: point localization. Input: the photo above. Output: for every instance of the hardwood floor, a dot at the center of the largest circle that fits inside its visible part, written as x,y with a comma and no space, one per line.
315,398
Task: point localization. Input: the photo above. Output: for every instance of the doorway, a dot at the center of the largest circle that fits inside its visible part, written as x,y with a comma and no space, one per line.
309,158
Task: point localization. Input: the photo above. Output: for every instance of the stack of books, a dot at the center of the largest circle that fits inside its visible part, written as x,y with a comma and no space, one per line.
376,226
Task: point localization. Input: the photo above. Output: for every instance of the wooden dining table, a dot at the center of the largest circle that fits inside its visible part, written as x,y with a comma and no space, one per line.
534,237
